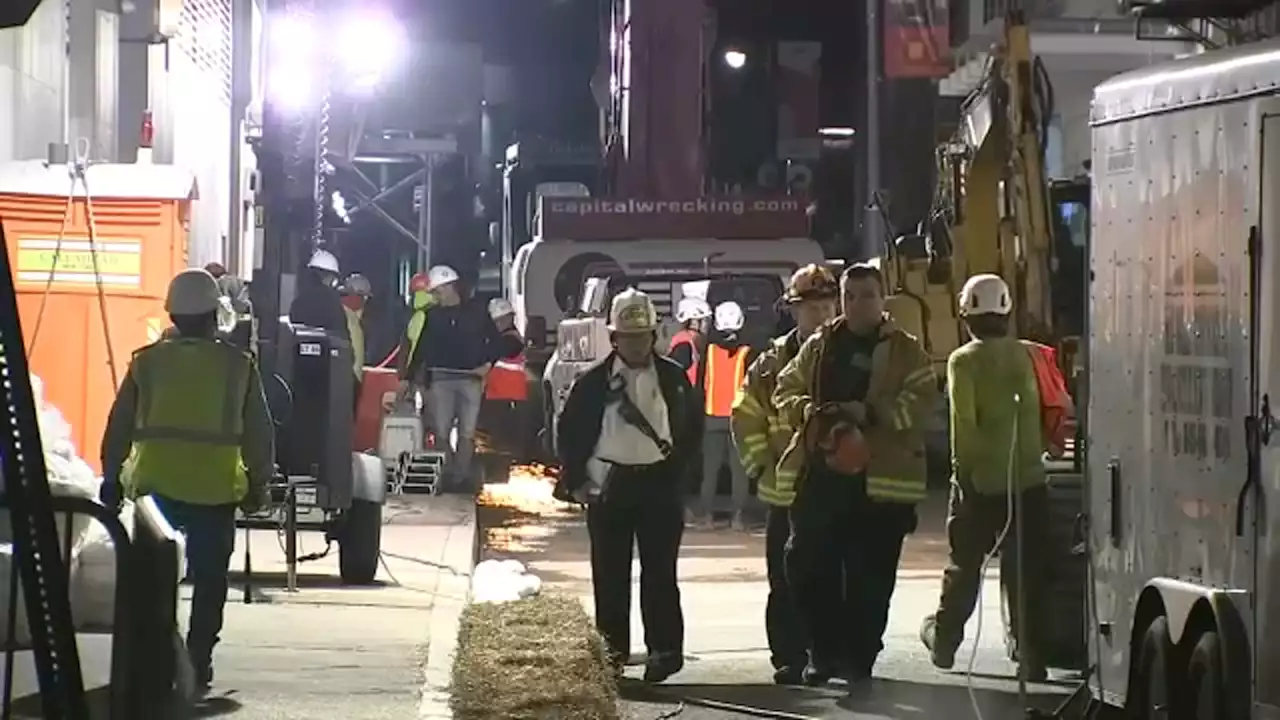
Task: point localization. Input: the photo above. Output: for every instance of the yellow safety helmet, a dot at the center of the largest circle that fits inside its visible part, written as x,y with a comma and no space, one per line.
811,282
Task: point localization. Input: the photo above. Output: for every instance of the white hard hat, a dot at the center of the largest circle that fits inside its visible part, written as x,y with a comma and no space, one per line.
632,312
192,292
692,308
441,275
500,307
324,260
729,317
985,294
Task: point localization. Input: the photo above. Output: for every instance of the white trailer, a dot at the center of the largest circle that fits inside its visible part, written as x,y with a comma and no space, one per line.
1183,354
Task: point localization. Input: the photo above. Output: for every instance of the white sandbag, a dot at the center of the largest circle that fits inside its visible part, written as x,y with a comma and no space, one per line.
501,581
93,584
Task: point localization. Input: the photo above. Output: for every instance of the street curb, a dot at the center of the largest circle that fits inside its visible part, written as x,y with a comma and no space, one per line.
460,553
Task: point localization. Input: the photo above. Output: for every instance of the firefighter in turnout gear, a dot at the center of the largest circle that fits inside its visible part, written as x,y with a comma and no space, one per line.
850,522
628,429
190,427
760,439
723,370
688,343
997,445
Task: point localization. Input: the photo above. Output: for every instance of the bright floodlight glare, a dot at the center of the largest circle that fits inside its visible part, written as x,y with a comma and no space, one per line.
292,38
289,86
367,46
735,59
836,132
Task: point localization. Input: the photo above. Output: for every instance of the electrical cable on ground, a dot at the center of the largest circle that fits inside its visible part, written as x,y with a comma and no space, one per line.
986,565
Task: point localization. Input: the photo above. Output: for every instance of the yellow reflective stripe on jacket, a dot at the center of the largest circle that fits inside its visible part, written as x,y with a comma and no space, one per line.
904,406
896,490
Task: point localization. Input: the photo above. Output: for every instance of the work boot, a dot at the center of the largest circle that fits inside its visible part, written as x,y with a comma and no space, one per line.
789,675
662,665
942,656
816,675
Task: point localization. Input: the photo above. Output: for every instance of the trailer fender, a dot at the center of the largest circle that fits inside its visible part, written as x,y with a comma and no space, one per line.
1192,609
368,478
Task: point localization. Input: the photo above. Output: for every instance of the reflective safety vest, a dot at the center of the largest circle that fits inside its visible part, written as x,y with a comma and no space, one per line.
356,328
189,421
690,338
507,380
725,371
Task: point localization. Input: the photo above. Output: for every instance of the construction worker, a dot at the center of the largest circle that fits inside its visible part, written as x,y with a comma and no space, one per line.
356,292
317,302
858,370
507,381
628,428
461,343
420,300
723,371
190,427
694,316
996,459
757,432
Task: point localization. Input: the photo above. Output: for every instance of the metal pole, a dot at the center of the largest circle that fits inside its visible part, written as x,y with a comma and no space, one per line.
425,214
291,537
871,231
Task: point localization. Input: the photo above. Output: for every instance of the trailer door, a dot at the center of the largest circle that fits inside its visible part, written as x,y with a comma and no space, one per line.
1260,498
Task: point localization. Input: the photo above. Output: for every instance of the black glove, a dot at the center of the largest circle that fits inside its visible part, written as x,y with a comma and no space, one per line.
109,494
255,500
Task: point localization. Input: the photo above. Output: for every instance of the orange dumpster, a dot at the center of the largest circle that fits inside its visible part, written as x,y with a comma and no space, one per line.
140,241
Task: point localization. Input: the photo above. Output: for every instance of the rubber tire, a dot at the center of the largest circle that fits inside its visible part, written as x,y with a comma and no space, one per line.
1206,679
181,703
1154,661
360,546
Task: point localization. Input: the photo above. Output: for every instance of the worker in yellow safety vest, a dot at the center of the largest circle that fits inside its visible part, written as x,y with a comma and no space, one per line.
421,300
759,435
687,345
356,292
190,427
723,370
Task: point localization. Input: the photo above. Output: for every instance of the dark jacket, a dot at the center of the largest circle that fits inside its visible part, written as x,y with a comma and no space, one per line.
462,337
319,305
578,428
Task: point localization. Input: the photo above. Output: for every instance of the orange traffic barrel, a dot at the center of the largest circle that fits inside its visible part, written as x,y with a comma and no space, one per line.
139,238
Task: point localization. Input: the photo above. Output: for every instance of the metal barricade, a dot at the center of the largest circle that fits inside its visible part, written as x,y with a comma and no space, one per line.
144,633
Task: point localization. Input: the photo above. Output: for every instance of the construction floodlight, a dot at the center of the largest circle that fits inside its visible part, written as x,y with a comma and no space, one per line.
358,50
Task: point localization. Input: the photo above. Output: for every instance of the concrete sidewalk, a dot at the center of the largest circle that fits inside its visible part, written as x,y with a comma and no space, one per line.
378,652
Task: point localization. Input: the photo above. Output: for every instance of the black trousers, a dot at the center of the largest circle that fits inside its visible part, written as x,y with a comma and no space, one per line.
788,642
641,506
842,563
211,541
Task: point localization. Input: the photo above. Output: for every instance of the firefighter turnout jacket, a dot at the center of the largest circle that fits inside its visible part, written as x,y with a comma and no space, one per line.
758,431
190,423
902,394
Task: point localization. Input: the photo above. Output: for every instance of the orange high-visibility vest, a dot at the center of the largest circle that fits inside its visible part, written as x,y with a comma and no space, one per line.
1055,401
726,370
690,338
507,380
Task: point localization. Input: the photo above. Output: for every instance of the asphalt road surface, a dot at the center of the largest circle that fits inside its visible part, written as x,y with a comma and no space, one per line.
724,588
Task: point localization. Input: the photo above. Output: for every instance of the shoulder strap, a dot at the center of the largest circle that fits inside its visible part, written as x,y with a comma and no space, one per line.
634,417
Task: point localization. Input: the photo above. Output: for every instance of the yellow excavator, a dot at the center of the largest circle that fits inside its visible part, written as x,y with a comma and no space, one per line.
995,211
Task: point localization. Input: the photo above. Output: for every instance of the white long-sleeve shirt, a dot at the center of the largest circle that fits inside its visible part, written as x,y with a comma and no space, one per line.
622,443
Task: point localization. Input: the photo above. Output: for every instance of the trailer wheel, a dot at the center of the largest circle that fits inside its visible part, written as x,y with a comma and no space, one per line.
360,544
1150,696
1206,678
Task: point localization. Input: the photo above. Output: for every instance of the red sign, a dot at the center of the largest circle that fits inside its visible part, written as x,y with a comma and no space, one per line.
917,39
722,218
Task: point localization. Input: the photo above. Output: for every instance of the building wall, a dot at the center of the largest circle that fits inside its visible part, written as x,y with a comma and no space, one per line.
1069,144
32,65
